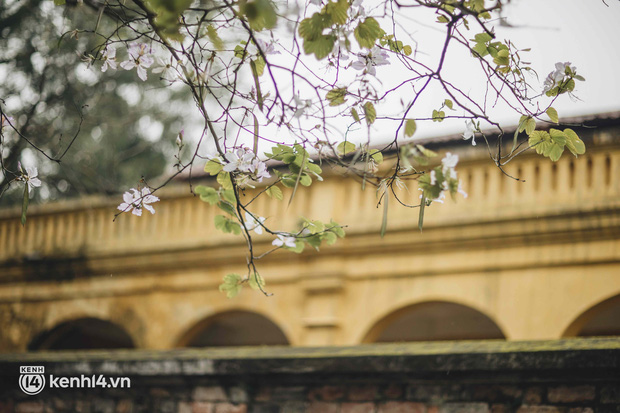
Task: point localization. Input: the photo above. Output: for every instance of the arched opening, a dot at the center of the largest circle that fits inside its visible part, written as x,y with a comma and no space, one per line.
434,320
601,320
234,328
83,333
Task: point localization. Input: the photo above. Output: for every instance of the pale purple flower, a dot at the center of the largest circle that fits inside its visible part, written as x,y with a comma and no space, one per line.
557,76
302,105
268,48
238,160
254,223
135,201
165,68
245,162
7,121
109,59
139,57
260,170
30,177
368,61
284,241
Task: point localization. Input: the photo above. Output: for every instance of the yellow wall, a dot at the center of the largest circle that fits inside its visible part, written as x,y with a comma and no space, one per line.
532,256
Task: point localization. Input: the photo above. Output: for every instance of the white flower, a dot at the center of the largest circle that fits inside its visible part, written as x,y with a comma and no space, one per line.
140,58
135,200
252,223
267,48
557,76
165,68
461,191
284,241
30,177
238,160
470,132
433,177
260,170
109,58
179,140
368,61
245,162
449,161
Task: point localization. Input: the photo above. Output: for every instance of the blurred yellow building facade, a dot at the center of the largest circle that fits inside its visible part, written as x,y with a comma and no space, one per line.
538,259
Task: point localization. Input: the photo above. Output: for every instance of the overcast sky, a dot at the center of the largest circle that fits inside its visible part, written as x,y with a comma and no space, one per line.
584,32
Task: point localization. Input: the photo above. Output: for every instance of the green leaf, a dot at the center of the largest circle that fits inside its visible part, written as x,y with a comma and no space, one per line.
368,32
337,11
443,19
226,207
384,219
312,27
213,167
256,135
553,115
229,196
214,37
522,122
449,104
530,126
329,237
407,50
336,96
231,285
275,192
421,215
322,46
438,115
207,194
556,152
410,127
573,143
305,180
345,147
336,229
227,225
299,247
257,282
260,66
240,51
483,38
370,113
481,49
59,2
261,14
25,202
355,115
426,152
376,155
223,178
259,95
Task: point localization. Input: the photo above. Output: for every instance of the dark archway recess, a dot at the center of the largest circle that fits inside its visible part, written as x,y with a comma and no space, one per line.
433,321
83,334
601,320
235,328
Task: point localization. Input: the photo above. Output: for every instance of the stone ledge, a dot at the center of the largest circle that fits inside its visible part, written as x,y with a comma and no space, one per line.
414,359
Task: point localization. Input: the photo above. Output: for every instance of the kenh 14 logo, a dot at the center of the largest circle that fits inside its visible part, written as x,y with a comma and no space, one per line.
31,379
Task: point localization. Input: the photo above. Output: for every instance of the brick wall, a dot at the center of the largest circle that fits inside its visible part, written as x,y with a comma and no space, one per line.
567,376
